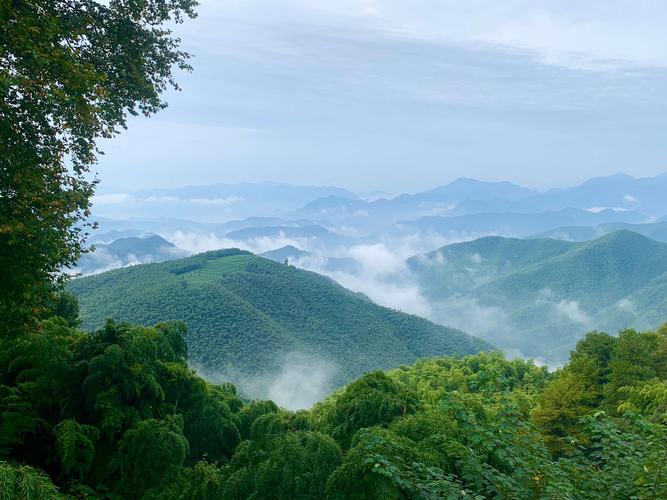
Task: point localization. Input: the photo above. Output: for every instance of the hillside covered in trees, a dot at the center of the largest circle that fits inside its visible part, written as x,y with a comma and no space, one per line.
118,414
246,313
540,296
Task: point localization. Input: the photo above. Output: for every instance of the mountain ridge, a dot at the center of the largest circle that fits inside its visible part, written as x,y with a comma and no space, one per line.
541,295
246,314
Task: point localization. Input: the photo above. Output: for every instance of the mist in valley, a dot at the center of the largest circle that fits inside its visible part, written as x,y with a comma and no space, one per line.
301,380
379,267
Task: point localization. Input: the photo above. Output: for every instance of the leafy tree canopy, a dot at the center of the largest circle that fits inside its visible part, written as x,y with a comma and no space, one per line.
71,71
118,412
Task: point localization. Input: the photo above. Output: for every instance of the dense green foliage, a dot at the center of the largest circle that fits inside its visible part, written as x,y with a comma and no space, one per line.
544,294
118,414
118,409
245,313
70,73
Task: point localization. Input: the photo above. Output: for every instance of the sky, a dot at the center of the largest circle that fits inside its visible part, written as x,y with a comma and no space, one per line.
401,96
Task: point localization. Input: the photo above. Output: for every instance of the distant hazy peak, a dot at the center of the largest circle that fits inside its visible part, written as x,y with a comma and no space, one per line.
473,189
606,178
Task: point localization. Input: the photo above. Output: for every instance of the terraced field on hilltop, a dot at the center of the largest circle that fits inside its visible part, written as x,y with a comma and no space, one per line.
214,270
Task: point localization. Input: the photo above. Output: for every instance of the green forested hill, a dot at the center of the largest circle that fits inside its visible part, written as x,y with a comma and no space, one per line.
654,230
593,273
464,266
245,313
544,294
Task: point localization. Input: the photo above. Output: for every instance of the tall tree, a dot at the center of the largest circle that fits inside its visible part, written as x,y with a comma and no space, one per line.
71,71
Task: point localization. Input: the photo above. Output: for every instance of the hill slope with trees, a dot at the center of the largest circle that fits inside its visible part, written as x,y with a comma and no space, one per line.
246,313
544,294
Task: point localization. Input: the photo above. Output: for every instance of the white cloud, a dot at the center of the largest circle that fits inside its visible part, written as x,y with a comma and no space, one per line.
101,260
512,353
377,258
597,210
572,310
301,380
476,258
382,273
402,296
199,242
630,198
469,315
626,305
595,34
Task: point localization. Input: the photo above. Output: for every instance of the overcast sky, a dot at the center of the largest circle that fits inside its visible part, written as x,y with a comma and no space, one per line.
403,95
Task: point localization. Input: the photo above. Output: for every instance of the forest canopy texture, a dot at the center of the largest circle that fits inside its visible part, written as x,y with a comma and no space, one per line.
117,413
